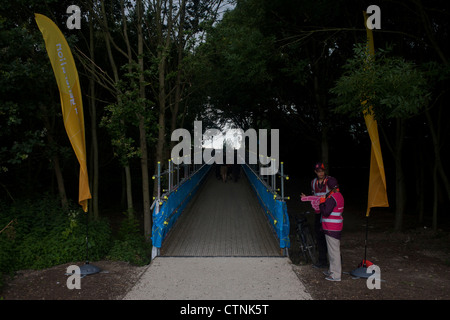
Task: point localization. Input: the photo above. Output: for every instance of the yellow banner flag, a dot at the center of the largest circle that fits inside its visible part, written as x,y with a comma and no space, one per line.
377,180
70,94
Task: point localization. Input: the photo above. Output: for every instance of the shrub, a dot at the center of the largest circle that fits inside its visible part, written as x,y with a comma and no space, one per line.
130,245
43,235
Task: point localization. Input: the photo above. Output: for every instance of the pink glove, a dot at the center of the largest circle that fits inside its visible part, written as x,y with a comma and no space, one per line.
314,201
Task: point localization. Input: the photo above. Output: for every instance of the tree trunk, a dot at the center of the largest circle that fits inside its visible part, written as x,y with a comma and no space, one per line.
119,101
180,47
437,167
130,209
400,199
438,170
324,148
60,180
55,159
93,109
435,197
420,183
142,130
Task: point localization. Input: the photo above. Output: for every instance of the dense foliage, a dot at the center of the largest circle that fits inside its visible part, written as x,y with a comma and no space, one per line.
40,234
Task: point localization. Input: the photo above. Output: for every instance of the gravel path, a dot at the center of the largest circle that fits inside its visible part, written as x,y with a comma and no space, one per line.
218,278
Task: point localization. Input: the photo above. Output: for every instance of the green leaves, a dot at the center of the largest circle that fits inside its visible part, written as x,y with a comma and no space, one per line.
123,115
44,235
236,60
130,245
396,88
25,79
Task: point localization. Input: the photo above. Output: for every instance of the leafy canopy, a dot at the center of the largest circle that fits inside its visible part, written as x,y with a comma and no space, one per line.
394,87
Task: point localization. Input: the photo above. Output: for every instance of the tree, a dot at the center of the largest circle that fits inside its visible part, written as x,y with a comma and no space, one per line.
115,121
235,60
28,126
93,113
397,89
270,64
152,75
176,26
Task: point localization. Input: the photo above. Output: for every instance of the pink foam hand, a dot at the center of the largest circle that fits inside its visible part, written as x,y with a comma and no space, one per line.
315,201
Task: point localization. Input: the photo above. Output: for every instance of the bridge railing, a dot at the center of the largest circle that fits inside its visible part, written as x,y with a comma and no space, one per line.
178,183
274,182
272,199
175,187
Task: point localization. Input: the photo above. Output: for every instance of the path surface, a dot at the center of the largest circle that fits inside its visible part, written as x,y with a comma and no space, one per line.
219,278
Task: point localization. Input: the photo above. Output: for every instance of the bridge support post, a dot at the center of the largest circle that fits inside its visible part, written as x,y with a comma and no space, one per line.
155,252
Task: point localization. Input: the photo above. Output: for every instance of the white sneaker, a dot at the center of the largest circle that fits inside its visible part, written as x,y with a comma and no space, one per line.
329,278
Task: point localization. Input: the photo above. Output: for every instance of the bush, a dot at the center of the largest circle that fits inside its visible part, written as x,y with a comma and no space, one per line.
130,245
43,235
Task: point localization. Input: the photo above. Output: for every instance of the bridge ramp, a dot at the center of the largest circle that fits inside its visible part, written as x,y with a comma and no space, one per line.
222,220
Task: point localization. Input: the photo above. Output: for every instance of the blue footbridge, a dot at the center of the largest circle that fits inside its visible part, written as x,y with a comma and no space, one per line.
197,214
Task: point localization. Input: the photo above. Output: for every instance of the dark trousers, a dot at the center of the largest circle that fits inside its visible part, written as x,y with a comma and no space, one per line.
320,239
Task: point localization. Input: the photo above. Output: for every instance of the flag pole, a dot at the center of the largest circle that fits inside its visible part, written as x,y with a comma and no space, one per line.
365,241
66,76
377,179
361,270
88,268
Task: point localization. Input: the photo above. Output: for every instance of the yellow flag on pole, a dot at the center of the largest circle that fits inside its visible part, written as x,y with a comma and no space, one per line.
377,180
70,94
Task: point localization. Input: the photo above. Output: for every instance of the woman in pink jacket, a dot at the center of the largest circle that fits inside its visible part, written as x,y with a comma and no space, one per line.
331,209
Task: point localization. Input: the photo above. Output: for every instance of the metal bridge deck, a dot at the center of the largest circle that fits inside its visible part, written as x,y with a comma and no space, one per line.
222,219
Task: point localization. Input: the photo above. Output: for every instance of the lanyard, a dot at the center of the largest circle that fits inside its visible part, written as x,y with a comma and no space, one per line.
323,183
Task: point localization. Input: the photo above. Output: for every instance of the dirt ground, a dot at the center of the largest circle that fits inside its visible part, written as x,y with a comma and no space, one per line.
112,283
414,265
